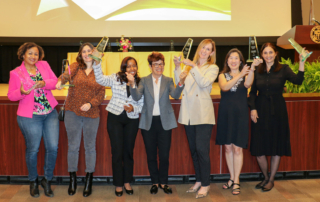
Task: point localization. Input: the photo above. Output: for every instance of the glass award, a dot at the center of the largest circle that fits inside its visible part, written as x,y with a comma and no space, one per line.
109,47
299,49
171,46
25,80
65,65
253,49
186,49
98,51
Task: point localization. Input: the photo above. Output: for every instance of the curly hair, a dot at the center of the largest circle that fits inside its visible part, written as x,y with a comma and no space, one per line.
122,77
155,56
226,67
79,58
26,46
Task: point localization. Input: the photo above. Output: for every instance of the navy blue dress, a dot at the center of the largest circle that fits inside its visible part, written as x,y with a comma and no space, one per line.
233,120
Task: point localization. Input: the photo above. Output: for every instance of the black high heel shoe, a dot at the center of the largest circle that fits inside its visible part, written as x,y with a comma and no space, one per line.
88,185
226,186
129,192
73,183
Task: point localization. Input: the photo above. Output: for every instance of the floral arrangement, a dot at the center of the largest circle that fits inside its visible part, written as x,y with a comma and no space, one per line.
124,44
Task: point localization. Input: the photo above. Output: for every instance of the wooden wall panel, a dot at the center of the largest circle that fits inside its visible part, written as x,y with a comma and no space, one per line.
305,142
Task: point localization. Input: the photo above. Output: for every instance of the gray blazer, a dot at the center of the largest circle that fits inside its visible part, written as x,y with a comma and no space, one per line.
167,88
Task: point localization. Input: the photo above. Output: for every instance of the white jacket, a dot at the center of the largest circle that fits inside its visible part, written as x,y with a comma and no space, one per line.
196,103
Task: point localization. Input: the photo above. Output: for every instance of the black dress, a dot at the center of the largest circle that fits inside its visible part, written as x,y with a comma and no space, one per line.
271,135
233,122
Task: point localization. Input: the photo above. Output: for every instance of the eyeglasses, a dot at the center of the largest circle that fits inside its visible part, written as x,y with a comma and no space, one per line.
158,65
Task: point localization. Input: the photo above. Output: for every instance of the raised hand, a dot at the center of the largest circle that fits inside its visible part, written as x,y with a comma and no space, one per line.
128,108
130,78
25,92
304,51
183,77
85,107
256,62
177,61
254,116
245,70
188,63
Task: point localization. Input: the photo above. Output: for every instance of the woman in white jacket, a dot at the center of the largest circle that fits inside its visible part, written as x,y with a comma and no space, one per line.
196,111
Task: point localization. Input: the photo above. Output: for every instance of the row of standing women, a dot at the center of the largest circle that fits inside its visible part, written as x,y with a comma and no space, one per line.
149,96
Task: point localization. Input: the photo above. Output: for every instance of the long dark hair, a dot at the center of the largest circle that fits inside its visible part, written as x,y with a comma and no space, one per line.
226,67
79,58
263,66
122,77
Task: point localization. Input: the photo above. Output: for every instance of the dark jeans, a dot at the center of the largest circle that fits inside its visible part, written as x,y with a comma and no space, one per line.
74,126
122,133
154,139
199,142
33,129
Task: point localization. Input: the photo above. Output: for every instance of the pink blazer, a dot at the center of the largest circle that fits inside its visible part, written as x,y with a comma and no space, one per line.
26,102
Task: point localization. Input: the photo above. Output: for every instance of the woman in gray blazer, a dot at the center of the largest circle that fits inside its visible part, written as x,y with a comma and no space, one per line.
157,118
196,111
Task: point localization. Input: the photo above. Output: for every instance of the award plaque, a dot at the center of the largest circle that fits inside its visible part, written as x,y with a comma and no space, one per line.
98,51
253,49
186,49
65,65
299,49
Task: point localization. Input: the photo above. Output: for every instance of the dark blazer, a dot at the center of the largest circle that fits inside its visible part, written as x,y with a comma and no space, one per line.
167,88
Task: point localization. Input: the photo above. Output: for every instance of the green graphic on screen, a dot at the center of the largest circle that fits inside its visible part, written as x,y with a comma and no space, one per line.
139,10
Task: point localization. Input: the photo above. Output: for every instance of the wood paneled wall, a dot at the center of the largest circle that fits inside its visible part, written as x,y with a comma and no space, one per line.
305,143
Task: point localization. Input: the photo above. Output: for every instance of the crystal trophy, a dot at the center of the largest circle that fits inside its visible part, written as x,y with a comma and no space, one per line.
25,80
109,47
65,65
98,51
171,46
299,49
253,49
186,49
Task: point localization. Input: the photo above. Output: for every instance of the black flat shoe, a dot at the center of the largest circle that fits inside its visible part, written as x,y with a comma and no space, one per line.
34,188
154,189
46,185
267,189
118,193
166,189
129,192
261,184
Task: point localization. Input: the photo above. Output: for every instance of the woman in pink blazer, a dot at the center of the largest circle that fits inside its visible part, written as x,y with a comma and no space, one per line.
31,85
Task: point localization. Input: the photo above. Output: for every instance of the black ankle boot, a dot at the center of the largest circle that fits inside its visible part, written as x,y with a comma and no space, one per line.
46,185
88,185
73,183
34,188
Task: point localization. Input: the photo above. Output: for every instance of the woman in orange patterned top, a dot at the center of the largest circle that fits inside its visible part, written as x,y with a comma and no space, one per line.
82,113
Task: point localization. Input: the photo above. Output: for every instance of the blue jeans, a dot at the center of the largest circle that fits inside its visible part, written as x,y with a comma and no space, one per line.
33,129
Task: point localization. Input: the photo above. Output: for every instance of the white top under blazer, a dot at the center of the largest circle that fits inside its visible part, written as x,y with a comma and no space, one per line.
119,94
196,104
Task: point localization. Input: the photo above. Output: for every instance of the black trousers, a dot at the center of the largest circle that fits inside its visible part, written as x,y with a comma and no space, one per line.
154,139
122,133
199,142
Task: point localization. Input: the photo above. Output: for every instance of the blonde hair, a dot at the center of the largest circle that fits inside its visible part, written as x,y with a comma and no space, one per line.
212,58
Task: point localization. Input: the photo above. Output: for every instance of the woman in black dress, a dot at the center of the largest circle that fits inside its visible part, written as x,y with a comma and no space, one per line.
233,124
270,135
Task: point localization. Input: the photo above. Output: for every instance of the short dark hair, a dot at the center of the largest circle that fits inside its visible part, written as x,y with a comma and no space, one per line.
122,77
26,46
263,66
226,67
155,56
79,58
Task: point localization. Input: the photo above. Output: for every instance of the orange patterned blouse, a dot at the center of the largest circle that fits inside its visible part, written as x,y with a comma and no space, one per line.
86,90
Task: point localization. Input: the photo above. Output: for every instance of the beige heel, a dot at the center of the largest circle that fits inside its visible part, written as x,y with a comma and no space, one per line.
202,195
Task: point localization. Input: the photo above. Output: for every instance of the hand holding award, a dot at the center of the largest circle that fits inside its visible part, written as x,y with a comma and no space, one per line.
97,53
